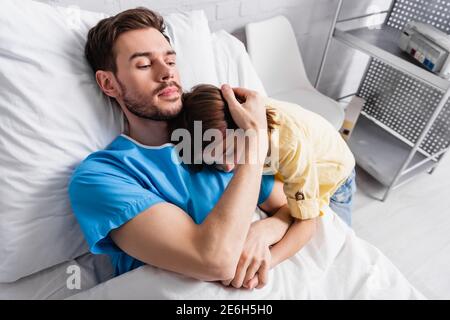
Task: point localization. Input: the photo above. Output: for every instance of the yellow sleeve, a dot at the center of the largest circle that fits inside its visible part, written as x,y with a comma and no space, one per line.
299,172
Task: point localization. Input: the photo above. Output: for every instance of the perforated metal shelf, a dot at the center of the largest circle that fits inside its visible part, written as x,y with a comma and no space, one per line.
381,154
382,43
405,105
434,12
405,124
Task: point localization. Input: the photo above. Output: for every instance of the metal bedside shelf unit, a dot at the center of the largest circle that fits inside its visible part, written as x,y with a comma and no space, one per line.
381,43
380,153
400,133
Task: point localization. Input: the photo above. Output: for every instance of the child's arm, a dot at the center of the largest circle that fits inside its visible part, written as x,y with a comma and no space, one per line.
297,236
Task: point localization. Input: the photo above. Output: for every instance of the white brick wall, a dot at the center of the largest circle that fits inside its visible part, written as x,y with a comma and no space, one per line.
311,20
232,15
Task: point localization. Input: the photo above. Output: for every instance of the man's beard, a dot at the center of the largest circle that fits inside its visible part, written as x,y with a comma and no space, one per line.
141,106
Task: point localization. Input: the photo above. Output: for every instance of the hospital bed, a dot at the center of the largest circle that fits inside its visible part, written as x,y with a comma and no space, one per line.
53,116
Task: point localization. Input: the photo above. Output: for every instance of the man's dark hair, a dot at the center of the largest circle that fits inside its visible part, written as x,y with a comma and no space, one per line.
99,48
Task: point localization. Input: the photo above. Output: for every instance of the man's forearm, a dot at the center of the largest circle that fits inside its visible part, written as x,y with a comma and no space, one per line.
225,229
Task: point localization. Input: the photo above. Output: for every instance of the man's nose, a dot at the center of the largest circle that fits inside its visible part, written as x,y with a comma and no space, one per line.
166,72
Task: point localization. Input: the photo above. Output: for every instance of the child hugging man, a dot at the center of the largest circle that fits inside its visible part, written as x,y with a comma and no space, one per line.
313,161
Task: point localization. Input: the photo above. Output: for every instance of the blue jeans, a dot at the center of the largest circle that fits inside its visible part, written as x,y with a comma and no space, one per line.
341,201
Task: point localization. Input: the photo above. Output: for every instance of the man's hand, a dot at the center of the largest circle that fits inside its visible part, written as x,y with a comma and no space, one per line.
251,114
251,117
254,263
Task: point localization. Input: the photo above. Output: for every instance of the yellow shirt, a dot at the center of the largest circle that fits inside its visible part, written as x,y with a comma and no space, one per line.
309,156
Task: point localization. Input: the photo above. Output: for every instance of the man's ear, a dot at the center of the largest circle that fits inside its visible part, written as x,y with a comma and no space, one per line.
107,82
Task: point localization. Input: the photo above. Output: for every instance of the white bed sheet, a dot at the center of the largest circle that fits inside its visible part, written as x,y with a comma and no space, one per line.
335,264
51,283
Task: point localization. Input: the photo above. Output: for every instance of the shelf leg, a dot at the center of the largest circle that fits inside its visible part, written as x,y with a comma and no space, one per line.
327,47
439,161
422,136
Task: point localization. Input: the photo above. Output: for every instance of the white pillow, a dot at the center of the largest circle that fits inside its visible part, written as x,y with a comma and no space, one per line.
52,116
191,38
233,63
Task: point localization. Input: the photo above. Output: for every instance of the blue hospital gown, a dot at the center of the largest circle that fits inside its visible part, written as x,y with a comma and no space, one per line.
112,186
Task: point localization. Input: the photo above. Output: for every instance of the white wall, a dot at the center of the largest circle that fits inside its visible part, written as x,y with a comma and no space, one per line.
311,20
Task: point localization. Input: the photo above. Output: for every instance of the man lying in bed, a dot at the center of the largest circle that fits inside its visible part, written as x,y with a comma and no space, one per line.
135,203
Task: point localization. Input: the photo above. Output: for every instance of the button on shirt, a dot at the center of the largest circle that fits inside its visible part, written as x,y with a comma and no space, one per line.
112,186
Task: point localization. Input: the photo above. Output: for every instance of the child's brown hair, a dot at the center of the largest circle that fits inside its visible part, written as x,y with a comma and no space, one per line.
206,103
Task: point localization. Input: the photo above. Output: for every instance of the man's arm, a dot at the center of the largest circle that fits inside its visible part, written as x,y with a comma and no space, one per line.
262,234
271,241
296,237
166,237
